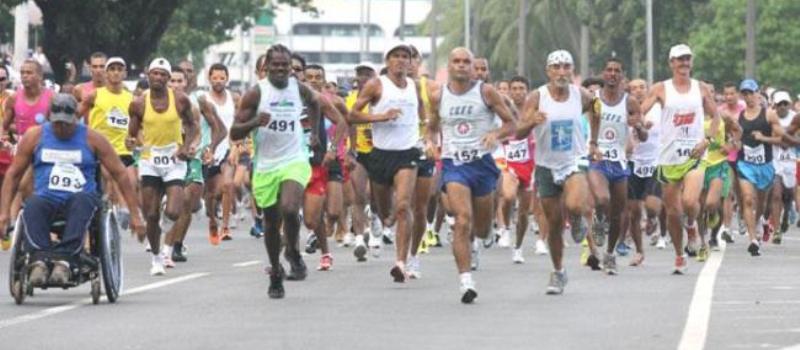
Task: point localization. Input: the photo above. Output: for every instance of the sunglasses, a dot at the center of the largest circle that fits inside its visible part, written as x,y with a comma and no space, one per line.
62,109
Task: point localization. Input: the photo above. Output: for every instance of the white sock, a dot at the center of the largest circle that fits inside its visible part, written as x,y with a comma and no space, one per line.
465,277
167,250
429,226
157,259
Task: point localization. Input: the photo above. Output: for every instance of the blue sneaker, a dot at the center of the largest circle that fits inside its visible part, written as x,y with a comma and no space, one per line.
623,249
257,231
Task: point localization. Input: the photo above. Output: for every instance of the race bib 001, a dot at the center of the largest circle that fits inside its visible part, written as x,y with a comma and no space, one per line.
164,156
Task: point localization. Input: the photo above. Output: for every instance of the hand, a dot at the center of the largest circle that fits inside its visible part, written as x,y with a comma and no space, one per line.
137,226
208,156
184,153
3,226
130,143
699,149
313,140
263,118
431,151
391,114
538,117
329,157
648,124
490,140
757,135
233,156
594,153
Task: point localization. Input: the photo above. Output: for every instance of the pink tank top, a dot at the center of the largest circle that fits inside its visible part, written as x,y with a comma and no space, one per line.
25,115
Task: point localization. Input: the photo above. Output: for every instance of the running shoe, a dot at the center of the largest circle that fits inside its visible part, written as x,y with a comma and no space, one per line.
623,249
325,262
257,231
388,236
423,247
213,236
726,236
276,277
38,273
489,241
637,260
297,267
754,249
311,243
585,253
430,238
702,254
517,256
713,243
593,262
541,248
662,243
558,280
168,263
226,234
681,265
349,240
6,242
654,239
767,229
375,246
398,274
712,220
178,253
360,252
157,266
784,225
610,264
413,270
467,289
777,238
61,274
505,238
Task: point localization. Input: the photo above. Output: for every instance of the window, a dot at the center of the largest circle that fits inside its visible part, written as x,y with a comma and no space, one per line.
408,30
335,29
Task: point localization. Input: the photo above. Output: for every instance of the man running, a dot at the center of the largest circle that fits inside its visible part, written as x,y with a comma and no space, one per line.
272,111
785,163
394,114
466,109
161,114
608,176
554,112
732,107
684,102
97,67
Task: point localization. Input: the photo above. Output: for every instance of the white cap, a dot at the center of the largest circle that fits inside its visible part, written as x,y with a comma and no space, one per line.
395,46
366,65
679,50
559,57
113,60
160,63
781,96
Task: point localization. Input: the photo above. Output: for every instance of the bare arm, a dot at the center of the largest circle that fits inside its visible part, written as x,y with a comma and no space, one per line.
710,108
218,131
22,160
777,130
86,105
188,123
246,116
136,113
591,107
342,128
635,118
656,95
789,137
371,93
498,104
530,115
314,106
8,116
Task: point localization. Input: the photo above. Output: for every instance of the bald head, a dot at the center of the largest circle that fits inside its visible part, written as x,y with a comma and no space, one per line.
638,88
460,64
481,69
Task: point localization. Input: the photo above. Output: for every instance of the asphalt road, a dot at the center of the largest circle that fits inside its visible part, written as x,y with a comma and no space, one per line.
218,300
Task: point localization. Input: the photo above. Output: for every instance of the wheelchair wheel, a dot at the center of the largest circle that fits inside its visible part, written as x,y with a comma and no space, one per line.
96,291
17,276
110,255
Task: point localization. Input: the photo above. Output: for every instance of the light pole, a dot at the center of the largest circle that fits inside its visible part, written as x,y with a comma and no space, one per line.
750,51
649,42
466,24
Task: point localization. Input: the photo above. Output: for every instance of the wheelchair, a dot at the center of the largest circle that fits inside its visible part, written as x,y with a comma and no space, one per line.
100,261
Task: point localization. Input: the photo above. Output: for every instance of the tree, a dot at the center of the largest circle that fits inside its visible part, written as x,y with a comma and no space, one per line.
133,29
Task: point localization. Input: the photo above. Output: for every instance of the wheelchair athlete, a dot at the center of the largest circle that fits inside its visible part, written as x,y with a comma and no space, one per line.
64,154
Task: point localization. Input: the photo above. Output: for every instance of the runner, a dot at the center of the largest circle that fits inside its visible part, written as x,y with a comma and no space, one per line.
5,151
608,176
272,112
97,66
683,142
212,132
785,163
160,115
466,109
219,173
395,109
554,112
731,107
324,191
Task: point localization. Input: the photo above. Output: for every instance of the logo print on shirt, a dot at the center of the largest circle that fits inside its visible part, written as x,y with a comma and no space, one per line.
463,128
610,134
561,135
683,119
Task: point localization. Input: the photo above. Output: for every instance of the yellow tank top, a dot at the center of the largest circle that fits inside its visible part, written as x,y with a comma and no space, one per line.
160,129
715,153
109,117
363,130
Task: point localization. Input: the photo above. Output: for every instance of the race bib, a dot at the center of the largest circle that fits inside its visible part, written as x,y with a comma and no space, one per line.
164,156
66,177
561,135
644,169
465,155
755,155
517,151
116,119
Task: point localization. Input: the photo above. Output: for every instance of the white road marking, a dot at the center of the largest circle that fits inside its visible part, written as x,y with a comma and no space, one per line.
247,263
696,329
74,305
757,302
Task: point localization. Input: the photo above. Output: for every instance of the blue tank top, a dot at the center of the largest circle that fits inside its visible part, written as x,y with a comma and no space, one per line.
63,167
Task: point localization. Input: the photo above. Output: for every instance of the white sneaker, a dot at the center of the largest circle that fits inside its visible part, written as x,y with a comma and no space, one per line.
233,223
349,239
375,245
517,257
375,226
662,243
413,268
388,234
505,239
541,248
168,263
157,266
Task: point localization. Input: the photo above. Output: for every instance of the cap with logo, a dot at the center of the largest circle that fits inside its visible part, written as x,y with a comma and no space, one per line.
748,85
63,109
679,50
559,57
113,60
160,63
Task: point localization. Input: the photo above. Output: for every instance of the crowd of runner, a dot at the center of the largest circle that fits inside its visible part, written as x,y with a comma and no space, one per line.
406,161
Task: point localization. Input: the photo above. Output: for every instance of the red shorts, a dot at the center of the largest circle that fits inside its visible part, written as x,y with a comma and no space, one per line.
523,172
319,181
797,174
345,171
5,161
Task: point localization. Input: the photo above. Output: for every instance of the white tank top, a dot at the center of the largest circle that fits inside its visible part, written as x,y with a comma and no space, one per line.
226,113
403,132
465,120
681,123
281,141
613,130
645,154
780,156
560,143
